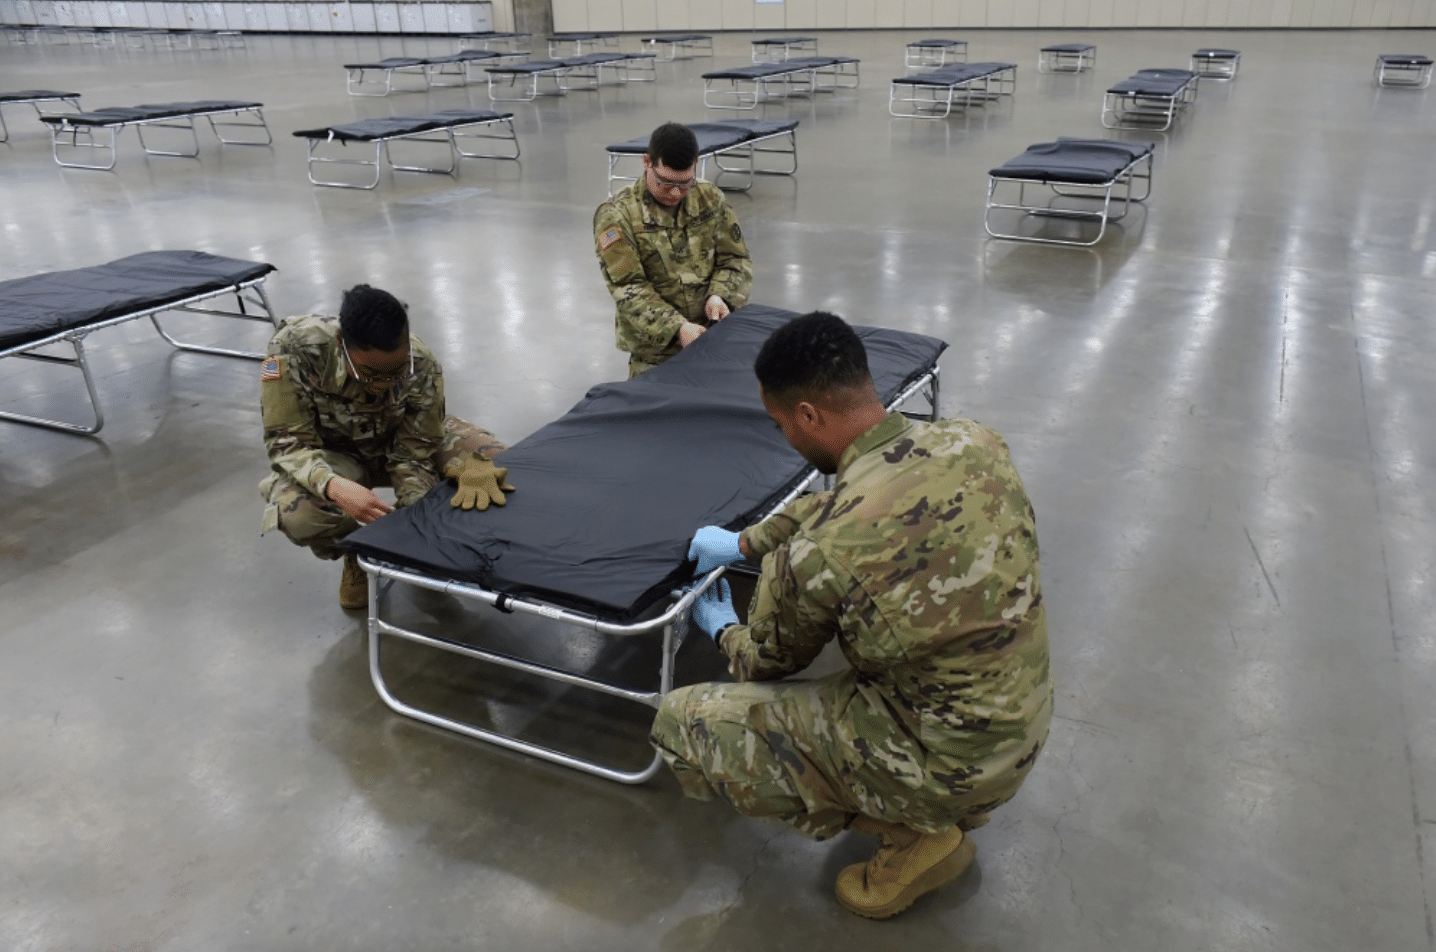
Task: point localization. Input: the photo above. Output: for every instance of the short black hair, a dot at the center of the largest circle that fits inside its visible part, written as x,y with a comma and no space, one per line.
373,319
812,356
673,145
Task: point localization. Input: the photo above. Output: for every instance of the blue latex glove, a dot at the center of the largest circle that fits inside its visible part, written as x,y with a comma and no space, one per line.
713,610
713,547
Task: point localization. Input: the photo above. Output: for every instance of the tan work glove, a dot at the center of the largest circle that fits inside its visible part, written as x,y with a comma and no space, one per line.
480,482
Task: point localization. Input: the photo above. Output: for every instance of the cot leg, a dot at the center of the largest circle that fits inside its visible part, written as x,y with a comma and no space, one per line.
241,313
257,113
188,125
378,628
456,136
79,362
4,132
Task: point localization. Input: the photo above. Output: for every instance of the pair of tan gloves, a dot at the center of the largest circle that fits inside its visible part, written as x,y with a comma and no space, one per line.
481,483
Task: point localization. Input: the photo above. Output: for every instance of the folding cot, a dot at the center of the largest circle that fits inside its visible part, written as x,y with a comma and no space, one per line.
35,97
1066,58
1212,63
1403,69
932,95
776,49
687,44
82,128
763,82
596,42
1081,169
65,307
431,69
507,42
1149,99
597,532
451,128
740,142
933,52
574,72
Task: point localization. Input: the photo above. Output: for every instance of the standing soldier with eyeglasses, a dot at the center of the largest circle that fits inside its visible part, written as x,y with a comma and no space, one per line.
671,251
353,402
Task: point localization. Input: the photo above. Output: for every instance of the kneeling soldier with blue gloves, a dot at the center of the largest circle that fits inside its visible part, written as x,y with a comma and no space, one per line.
922,561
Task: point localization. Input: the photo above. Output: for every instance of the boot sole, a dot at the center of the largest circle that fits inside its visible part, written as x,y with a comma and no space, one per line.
943,872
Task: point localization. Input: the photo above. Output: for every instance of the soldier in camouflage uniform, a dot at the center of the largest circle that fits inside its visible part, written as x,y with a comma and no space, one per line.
350,403
922,562
671,251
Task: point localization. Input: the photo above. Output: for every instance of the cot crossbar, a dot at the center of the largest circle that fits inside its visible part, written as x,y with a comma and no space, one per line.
97,133
1111,173
451,129
251,304
672,623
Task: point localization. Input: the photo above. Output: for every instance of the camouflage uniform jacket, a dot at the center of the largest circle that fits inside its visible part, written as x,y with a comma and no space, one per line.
922,560
661,266
316,405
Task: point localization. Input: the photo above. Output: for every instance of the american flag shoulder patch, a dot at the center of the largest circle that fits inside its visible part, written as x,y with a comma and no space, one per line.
607,238
269,370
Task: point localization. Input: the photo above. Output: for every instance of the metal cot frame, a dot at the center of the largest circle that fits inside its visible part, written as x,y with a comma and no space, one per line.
509,42
1152,99
673,623
935,97
1216,64
1402,69
920,53
597,42
432,69
743,154
1066,58
779,49
82,128
580,72
251,291
763,82
690,44
1138,170
34,98
501,129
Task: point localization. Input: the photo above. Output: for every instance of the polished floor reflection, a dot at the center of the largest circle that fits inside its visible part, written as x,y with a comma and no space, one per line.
1223,414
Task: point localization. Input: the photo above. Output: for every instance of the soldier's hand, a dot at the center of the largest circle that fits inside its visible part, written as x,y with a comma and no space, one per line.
713,547
358,501
716,308
481,483
713,610
689,332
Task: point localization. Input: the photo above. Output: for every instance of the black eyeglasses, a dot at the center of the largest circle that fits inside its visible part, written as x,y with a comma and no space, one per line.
399,377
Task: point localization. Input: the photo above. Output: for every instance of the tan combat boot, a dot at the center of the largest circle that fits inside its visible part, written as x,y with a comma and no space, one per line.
907,865
353,585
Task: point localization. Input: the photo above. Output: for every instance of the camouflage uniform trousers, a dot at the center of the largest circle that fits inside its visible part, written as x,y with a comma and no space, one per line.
318,523
768,750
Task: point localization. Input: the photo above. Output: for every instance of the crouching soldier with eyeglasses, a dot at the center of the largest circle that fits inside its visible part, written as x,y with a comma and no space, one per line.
354,402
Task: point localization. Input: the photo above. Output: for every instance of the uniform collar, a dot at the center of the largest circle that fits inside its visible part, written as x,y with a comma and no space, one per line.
890,428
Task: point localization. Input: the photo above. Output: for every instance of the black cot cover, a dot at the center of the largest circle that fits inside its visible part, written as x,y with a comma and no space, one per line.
43,305
609,495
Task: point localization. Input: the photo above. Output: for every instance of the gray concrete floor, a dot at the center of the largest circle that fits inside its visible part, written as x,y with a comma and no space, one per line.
1223,414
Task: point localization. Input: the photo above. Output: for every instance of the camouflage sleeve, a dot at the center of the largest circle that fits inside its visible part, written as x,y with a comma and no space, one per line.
646,322
290,437
780,526
791,618
732,266
412,470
